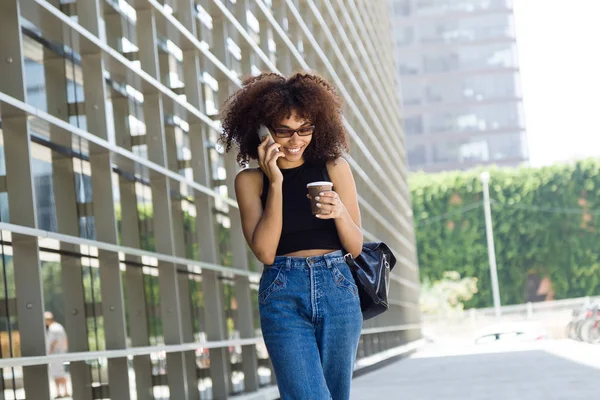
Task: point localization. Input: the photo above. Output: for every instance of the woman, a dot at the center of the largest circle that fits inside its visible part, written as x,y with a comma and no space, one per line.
308,300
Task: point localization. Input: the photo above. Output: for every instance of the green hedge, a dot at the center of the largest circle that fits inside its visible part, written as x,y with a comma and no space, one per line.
545,220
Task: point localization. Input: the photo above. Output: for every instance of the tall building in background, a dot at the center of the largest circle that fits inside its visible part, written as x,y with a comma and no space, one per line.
462,103
117,208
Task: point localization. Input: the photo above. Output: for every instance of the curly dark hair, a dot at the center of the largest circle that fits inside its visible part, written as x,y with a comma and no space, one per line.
268,98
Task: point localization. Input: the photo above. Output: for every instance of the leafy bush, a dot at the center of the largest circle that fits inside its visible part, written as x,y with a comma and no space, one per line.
446,295
545,225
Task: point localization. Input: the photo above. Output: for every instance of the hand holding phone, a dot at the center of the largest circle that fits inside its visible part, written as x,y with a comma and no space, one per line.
264,131
268,153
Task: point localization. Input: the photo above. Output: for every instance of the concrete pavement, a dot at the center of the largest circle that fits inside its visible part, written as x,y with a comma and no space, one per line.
549,370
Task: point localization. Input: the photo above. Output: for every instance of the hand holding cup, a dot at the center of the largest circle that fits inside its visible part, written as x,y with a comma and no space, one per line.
325,203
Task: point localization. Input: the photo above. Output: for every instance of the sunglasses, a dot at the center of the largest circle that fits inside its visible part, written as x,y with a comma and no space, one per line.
288,132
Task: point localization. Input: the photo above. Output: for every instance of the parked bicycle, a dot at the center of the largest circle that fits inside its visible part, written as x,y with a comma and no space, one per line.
585,324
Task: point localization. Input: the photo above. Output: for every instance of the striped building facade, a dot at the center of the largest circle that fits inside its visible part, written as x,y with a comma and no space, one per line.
117,208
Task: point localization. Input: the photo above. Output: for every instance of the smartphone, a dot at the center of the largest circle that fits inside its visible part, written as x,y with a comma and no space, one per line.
264,131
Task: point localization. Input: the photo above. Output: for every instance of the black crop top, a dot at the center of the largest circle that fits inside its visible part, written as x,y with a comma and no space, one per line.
302,230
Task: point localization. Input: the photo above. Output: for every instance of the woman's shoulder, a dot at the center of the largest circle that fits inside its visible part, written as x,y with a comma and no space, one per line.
250,172
337,166
339,171
249,178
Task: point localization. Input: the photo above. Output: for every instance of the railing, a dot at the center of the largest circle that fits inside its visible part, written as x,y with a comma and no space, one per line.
551,316
517,311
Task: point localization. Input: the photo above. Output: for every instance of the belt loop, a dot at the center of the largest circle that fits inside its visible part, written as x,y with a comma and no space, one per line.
288,263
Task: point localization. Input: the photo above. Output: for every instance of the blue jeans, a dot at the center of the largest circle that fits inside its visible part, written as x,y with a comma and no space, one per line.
311,322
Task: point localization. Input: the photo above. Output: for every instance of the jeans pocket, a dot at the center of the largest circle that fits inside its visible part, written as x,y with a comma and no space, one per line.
272,280
345,281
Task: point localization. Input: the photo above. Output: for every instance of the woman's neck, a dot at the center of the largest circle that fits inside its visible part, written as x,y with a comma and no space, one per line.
285,164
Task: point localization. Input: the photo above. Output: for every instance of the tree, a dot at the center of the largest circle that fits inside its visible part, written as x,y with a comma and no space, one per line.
546,223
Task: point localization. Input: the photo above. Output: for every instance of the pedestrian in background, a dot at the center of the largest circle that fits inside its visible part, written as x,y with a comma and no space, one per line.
56,343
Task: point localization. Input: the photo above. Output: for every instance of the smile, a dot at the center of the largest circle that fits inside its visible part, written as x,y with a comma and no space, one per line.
293,150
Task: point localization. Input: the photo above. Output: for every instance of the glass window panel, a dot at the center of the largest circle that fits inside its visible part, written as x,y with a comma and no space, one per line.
153,296
404,35
52,286
74,89
478,118
189,230
35,80
484,148
409,64
9,330
4,217
197,306
473,88
2,158
413,125
441,6
253,263
35,84
235,352
402,7
497,55
41,163
506,146
99,375
417,155
83,182
412,93
145,215
460,30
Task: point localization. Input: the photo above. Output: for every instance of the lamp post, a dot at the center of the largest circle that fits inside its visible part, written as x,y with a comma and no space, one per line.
485,180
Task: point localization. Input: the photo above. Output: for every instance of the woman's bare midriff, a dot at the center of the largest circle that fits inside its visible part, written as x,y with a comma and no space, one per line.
309,253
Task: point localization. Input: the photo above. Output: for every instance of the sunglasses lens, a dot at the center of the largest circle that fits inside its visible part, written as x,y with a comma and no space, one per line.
305,131
283,133
286,133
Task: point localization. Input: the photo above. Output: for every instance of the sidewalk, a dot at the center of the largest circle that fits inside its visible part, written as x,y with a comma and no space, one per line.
552,370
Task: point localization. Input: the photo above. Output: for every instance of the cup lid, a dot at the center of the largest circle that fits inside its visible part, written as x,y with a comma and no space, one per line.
320,183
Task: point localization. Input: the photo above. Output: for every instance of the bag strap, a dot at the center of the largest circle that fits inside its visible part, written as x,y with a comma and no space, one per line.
350,261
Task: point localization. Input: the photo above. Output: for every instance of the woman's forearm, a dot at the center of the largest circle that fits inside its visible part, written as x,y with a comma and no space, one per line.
350,234
268,230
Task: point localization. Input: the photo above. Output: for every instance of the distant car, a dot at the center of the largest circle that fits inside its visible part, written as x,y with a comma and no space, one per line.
512,333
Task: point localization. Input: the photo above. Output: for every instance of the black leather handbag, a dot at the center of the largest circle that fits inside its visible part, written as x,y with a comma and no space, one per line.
371,271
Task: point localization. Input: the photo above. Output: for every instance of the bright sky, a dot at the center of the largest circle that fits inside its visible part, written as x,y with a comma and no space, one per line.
559,54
